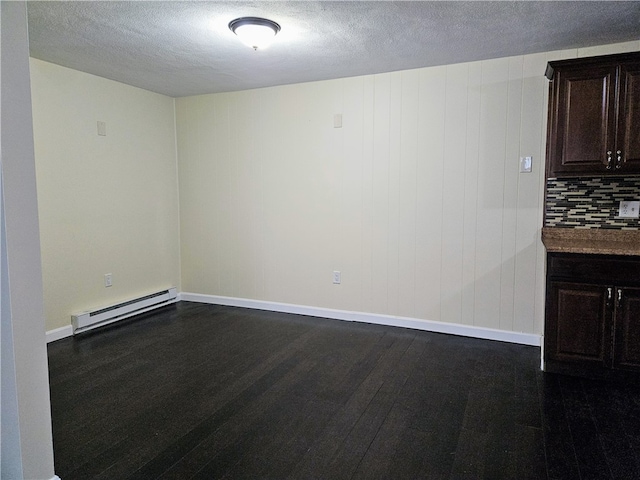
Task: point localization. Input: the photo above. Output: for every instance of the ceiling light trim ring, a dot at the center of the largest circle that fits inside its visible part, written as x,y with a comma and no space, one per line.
263,22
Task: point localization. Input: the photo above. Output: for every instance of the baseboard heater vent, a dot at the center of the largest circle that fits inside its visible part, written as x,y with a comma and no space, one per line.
88,320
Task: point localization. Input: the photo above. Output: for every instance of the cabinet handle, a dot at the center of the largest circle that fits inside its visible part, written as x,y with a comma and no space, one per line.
619,159
609,296
609,159
619,298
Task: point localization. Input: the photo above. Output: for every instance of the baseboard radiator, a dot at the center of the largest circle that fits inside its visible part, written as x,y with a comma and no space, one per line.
88,320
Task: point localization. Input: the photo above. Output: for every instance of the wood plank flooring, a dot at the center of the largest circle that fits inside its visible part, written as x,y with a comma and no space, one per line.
198,391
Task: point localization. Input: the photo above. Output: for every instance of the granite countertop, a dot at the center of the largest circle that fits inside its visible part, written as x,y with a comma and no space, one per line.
594,241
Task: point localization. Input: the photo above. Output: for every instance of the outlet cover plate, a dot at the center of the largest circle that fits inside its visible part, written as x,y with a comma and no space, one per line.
526,164
629,209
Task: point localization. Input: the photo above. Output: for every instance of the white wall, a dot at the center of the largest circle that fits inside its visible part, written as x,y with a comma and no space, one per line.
417,199
108,204
27,448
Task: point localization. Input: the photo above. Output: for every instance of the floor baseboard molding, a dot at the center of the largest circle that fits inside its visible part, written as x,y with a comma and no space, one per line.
389,320
58,334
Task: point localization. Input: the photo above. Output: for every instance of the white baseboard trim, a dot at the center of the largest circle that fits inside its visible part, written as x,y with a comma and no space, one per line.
59,333
390,320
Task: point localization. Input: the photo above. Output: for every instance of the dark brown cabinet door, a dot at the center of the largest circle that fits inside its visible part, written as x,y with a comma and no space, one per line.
628,132
594,116
627,326
583,121
576,326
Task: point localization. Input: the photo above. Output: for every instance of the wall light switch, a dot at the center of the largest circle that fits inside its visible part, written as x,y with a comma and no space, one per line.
108,281
337,120
629,209
526,164
337,277
102,129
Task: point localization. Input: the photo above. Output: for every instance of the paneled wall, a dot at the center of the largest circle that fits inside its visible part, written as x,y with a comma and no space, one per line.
107,204
417,199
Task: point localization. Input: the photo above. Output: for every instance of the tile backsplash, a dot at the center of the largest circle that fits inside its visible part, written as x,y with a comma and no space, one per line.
590,202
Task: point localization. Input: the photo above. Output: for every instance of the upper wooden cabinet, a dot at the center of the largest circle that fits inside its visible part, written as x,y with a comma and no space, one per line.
594,116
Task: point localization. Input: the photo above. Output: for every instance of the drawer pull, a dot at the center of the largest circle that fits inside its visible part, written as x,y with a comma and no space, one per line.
609,296
619,297
609,159
619,159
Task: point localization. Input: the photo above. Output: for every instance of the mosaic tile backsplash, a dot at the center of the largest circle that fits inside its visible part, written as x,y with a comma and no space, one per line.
590,203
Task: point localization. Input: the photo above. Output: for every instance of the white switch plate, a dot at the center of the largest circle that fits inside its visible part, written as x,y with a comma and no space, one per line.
337,277
337,120
526,164
102,129
629,209
107,280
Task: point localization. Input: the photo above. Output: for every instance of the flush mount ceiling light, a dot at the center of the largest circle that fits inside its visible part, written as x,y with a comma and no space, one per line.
254,31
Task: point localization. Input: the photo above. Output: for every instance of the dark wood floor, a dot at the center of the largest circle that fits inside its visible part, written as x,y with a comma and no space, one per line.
200,391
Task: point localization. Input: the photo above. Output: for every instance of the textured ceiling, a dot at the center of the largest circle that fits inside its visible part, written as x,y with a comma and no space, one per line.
185,48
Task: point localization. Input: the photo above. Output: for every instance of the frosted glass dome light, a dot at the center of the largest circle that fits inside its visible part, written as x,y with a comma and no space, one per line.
257,33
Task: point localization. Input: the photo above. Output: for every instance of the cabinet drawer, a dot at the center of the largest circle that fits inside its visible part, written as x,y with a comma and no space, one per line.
596,269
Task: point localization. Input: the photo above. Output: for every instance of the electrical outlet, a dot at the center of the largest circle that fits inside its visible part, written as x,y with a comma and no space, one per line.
337,277
107,280
629,209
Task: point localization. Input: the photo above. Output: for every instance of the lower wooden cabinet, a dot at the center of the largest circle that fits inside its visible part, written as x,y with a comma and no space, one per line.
592,324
